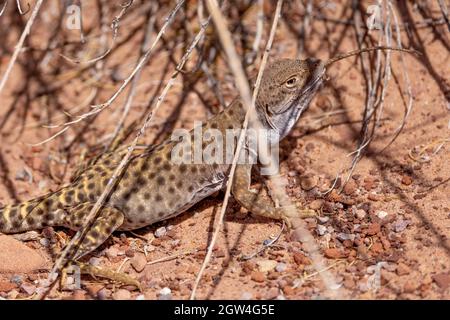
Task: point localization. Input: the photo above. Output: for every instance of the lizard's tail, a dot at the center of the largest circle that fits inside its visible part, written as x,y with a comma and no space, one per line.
30,215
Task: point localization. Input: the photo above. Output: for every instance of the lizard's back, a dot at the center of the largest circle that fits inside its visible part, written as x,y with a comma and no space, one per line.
152,187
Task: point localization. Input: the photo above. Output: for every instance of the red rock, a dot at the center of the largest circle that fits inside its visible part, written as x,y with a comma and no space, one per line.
406,180
308,182
122,294
375,197
402,269
16,257
94,288
272,293
369,183
349,283
79,295
248,267
301,259
373,229
258,276
409,287
377,247
288,290
333,253
316,204
442,280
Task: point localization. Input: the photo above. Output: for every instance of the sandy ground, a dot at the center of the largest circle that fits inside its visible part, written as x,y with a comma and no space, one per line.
386,236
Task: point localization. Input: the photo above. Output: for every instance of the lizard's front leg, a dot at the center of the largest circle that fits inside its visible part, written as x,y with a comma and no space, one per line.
256,202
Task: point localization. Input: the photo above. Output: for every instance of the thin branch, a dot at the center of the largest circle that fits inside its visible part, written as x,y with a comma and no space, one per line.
248,101
100,107
132,92
90,218
259,30
115,29
19,45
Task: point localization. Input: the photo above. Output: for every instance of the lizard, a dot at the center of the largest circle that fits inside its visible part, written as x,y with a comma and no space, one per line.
153,188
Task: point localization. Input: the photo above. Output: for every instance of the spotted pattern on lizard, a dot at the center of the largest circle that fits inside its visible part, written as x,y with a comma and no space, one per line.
153,188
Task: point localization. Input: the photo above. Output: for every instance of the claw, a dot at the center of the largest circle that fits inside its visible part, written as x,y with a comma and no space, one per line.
109,274
94,272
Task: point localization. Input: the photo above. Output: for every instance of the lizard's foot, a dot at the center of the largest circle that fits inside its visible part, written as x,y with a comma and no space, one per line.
295,211
93,271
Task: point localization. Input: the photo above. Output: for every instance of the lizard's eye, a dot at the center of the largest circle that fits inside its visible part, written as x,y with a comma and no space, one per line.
291,82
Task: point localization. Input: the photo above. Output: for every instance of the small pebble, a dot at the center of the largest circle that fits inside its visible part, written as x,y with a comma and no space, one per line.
272,293
16,279
28,288
103,294
6,286
321,230
301,259
112,252
94,261
138,262
345,236
400,225
246,295
382,214
13,294
403,269
44,242
122,294
24,175
316,204
79,295
160,232
281,267
258,276
406,180
165,294
129,253
442,280
308,182
373,229
266,265
360,214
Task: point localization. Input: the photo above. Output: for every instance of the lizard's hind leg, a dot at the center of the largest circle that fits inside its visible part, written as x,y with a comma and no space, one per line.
108,220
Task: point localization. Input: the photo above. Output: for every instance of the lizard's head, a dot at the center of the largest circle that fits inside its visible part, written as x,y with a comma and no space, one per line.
287,88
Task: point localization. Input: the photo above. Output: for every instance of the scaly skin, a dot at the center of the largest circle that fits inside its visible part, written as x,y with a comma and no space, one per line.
153,187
